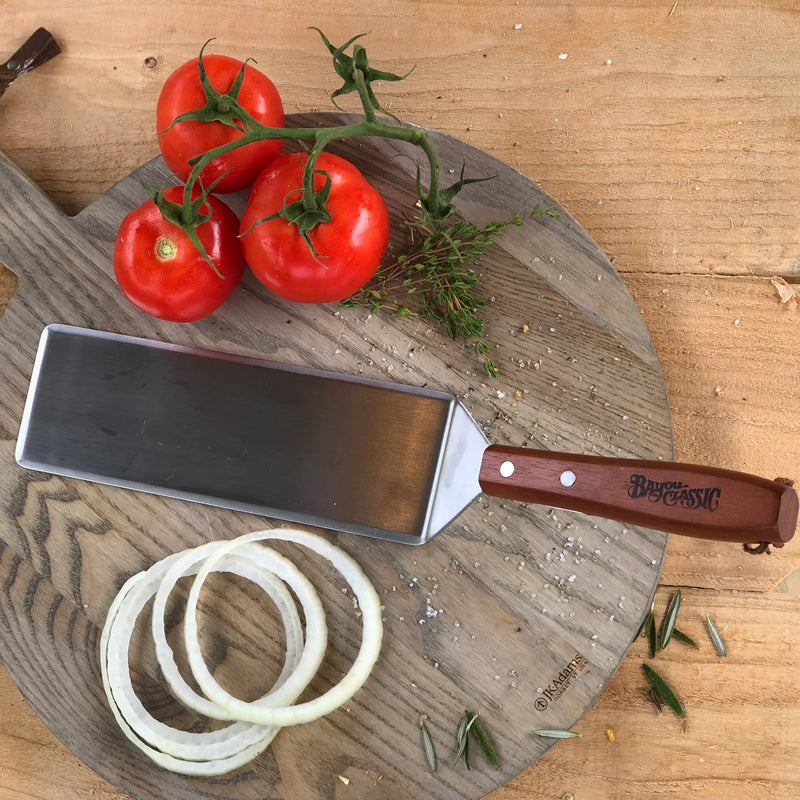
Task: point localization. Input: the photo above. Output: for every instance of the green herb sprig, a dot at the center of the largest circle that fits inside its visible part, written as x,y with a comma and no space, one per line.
434,276
682,637
462,738
556,733
668,626
427,744
716,637
660,690
664,691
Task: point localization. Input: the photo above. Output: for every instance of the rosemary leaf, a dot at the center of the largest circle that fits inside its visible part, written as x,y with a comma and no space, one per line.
462,737
652,635
668,626
552,733
664,690
485,743
682,637
427,745
715,637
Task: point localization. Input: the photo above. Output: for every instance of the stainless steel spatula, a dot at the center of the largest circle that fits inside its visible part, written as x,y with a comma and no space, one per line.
350,454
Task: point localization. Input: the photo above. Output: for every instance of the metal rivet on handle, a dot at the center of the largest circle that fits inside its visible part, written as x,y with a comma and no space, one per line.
568,478
507,469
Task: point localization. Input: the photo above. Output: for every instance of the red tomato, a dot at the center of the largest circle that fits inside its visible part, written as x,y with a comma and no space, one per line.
162,272
349,247
183,91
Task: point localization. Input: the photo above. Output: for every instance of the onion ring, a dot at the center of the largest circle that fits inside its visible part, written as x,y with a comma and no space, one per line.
372,631
170,740
207,767
316,631
254,723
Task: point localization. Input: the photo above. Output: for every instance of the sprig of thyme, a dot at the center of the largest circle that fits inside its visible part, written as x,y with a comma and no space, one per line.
435,277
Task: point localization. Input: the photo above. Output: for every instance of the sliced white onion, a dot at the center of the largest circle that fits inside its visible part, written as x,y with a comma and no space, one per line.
290,686
371,636
202,763
257,721
218,744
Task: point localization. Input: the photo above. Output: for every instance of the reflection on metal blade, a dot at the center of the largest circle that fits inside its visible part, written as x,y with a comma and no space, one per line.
304,445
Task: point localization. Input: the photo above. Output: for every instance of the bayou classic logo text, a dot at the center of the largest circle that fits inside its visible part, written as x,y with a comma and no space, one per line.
674,493
560,683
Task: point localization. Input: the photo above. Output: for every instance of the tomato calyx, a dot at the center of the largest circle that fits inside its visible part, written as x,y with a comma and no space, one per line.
307,212
357,74
188,216
437,210
220,106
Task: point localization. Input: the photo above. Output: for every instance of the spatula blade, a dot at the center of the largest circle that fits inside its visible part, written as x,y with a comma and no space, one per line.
303,445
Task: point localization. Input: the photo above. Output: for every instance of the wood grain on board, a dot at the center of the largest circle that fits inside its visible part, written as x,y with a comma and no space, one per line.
669,131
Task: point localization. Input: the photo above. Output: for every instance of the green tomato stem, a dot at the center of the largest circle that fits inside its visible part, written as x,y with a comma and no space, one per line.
358,75
363,93
322,138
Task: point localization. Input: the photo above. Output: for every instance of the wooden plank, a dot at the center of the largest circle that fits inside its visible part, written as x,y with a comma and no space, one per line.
680,155
742,737
729,350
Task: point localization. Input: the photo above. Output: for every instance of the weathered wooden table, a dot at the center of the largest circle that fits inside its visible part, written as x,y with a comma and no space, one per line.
670,132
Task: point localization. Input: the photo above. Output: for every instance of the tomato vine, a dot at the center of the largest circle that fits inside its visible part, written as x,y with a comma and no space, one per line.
441,243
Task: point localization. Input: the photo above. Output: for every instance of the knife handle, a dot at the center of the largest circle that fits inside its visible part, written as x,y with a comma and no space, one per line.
37,49
687,499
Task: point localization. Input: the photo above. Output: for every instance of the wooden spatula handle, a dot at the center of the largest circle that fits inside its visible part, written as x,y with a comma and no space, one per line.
687,499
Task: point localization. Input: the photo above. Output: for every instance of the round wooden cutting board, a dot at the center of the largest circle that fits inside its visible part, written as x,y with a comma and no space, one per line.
519,613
